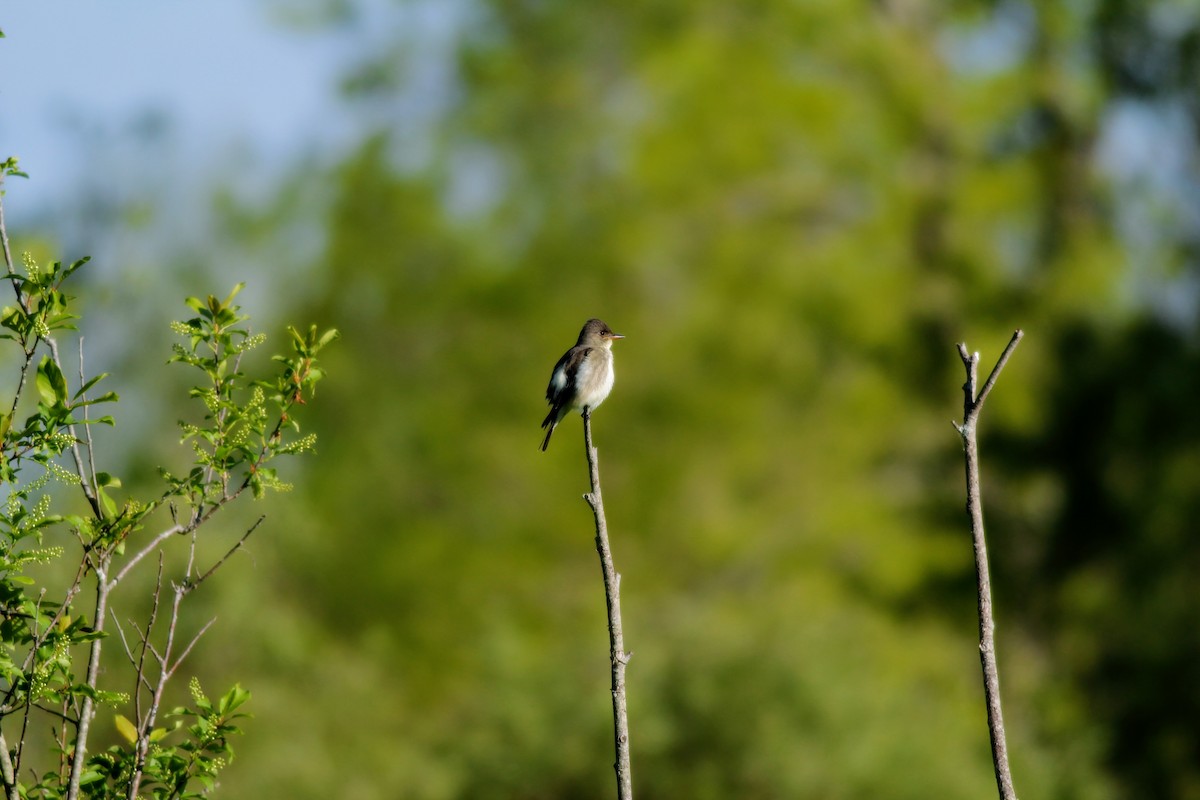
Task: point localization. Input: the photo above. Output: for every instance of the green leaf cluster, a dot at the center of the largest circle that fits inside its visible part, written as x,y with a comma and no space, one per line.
9,166
51,640
182,760
239,435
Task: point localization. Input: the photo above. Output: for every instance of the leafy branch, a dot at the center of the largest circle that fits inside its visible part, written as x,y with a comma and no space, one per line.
244,425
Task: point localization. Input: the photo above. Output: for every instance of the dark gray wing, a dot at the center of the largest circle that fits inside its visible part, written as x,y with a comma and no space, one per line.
563,378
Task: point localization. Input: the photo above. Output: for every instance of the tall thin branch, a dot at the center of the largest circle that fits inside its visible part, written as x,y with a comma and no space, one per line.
21,301
612,595
972,405
8,259
86,481
87,427
79,758
194,583
146,723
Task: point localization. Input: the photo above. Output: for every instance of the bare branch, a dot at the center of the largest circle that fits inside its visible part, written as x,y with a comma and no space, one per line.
165,667
237,546
87,428
54,712
133,660
146,645
198,518
150,547
79,757
8,259
85,481
972,404
16,285
22,375
188,649
612,596
991,381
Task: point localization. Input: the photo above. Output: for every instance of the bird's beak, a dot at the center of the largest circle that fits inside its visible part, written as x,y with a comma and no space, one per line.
616,336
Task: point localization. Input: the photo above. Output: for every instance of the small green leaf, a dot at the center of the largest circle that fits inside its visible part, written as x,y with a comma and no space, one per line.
328,337
233,698
237,288
127,729
110,508
50,383
90,383
76,265
90,776
105,479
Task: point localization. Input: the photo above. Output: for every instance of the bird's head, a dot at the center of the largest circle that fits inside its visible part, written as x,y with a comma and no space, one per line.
596,333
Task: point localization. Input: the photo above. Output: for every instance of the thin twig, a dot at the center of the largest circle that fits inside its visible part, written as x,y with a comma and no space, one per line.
188,649
8,260
21,301
237,546
141,680
166,660
146,723
141,663
977,403
21,377
79,758
86,482
612,596
54,712
61,739
972,404
133,561
87,427
198,518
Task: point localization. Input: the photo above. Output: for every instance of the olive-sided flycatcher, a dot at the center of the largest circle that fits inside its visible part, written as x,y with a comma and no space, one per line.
583,377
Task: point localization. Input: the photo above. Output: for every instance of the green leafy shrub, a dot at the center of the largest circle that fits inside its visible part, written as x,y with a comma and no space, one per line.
54,641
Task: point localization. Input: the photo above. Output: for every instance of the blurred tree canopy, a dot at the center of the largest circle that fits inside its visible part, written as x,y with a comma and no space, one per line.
793,211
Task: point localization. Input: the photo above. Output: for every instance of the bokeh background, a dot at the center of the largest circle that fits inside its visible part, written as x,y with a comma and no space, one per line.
793,211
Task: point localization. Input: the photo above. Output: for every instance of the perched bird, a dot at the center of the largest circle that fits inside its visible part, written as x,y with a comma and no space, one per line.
583,377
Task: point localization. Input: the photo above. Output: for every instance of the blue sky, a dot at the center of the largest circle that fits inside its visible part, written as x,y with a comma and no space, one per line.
217,74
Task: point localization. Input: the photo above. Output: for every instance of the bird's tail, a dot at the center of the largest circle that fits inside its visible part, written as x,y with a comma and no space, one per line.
550,422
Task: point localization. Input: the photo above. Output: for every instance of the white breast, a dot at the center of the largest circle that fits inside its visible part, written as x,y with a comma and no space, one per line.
595,379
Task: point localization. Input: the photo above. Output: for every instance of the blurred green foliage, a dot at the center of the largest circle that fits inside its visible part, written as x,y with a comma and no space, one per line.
793,211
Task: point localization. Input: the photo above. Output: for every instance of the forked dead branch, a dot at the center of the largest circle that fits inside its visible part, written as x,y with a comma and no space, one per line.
972,405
